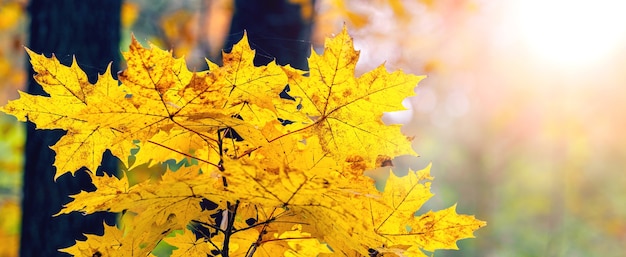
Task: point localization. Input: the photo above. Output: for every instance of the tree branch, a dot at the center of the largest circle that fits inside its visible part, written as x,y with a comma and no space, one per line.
232,211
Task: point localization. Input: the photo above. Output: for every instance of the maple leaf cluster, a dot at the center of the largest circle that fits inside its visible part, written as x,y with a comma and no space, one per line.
278,156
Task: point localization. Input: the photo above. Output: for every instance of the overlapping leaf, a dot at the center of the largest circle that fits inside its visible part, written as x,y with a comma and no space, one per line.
156,208
177,195
106,115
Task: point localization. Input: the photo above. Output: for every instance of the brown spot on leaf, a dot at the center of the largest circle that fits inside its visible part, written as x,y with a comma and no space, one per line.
383,161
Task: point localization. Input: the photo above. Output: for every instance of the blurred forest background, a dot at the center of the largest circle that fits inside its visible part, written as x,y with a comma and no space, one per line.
522,113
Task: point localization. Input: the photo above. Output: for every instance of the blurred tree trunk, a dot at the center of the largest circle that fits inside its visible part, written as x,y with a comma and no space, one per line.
276,29
90,30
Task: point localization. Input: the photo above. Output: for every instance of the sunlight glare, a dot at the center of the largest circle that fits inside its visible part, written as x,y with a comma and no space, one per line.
571,32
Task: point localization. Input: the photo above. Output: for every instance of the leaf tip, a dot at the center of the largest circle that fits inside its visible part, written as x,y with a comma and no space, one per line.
244,42
344,28
134,44
29,51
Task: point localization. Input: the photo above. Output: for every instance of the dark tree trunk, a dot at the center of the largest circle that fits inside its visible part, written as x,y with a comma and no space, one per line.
90,30
276,29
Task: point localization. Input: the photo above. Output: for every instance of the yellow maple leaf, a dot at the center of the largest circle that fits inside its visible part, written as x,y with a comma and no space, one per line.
157,207
347,111
106,115
70,92
394,218
173,197
117,242
402,197
108,244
